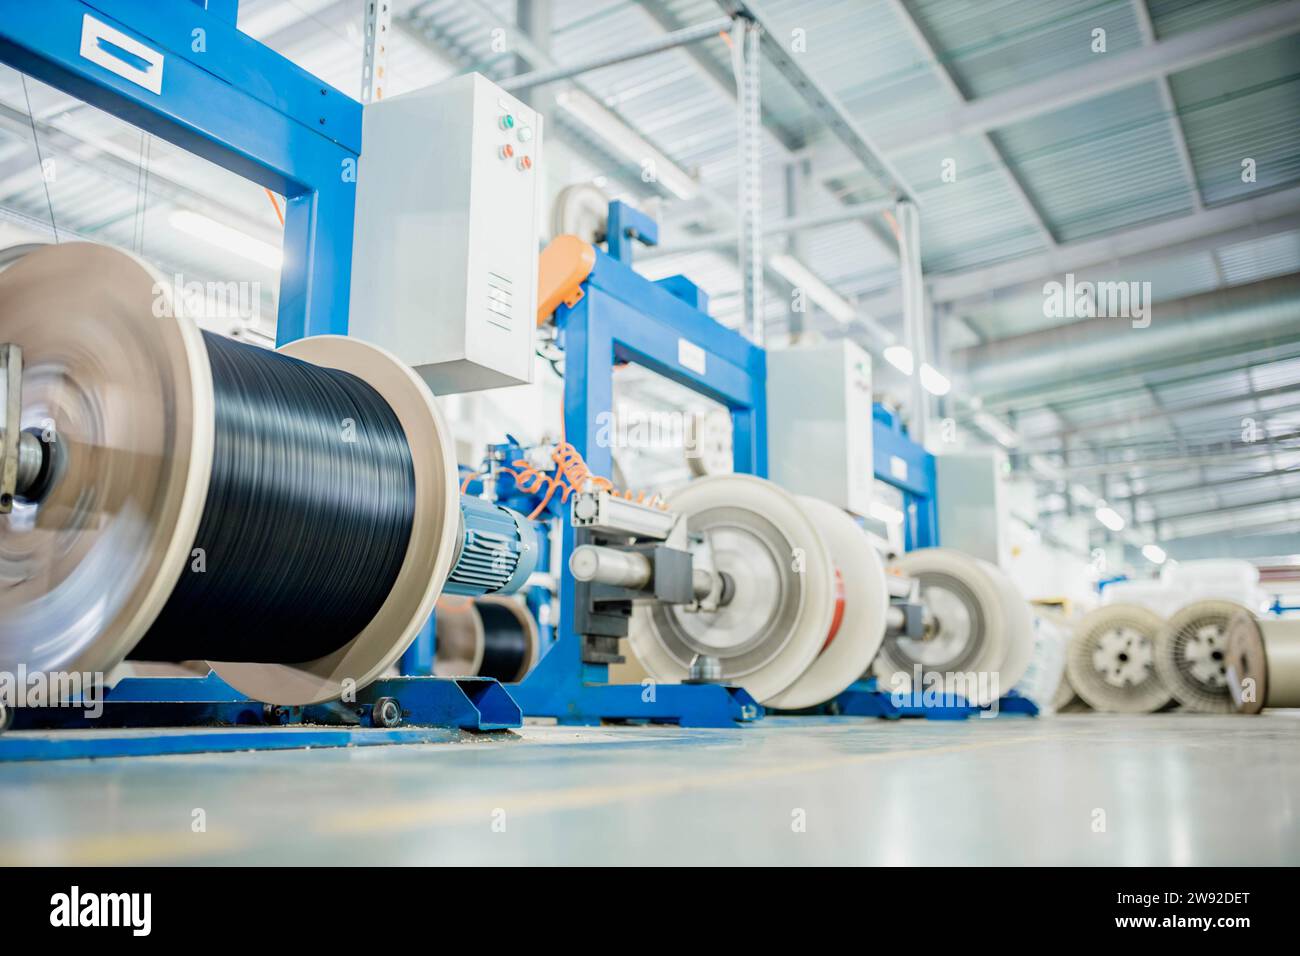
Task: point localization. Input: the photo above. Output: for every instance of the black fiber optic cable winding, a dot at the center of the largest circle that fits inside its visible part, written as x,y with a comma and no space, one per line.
307,517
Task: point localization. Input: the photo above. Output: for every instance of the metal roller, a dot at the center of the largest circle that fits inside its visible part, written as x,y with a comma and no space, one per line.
1191,658
1111,661
1262,657
978,625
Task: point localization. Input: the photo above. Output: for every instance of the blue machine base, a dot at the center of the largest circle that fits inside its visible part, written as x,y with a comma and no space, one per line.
685,705
864,699
207,715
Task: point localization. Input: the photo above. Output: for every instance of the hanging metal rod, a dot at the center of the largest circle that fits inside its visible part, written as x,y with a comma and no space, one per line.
667,41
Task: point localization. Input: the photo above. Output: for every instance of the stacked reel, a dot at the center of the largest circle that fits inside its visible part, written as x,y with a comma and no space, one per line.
1111,663
487,636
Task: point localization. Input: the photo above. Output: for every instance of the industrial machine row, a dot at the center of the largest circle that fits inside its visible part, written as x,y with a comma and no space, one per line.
297,519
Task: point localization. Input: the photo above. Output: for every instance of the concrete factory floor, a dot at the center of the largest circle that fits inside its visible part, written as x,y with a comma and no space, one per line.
1073,789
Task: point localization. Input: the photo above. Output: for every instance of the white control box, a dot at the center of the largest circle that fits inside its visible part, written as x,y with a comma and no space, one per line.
973,507
819,423
445,247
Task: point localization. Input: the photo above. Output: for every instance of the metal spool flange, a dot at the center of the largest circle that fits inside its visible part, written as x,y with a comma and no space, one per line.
127,397
1111,660
777,621
1191,656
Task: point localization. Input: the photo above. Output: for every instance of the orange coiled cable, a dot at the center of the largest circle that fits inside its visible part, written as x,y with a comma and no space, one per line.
571,474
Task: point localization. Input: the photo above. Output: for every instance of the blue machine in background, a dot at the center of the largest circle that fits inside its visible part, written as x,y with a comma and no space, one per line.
623,317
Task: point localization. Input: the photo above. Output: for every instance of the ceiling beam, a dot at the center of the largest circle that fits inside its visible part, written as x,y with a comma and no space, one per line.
1142,12
824,104
1240,221
722,76
1105,74
921,37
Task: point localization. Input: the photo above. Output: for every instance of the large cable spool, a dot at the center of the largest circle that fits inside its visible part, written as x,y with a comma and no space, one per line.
1111,663
1191,656
290,516
977,624
1263,661
488,636
776,622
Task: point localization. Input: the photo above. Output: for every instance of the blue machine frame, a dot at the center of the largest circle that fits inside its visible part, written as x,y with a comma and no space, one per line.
623,317
907,466
229,99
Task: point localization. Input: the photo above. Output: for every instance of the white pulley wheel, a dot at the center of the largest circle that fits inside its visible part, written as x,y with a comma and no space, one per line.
581,210
1111,661
862,626
710,451
968,634
1191,656
784,590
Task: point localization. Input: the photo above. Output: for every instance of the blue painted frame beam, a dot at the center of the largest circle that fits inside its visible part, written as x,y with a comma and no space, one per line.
229,99
907,466
624,317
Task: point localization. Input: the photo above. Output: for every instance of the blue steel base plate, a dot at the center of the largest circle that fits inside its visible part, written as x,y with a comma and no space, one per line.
863,699
22,745
164,715
684,705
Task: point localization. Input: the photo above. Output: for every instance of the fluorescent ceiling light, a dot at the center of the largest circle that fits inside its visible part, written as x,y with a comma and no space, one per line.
801,277
899,356
224,237
1007,437
1110,517
883,512
1154,553
618,135
934,381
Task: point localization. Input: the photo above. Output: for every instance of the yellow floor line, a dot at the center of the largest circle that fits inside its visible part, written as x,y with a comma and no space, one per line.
119,849
441,812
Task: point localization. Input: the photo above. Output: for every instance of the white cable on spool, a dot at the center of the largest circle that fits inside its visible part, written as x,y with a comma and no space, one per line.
1190,656
853,644
981,632
1111,662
